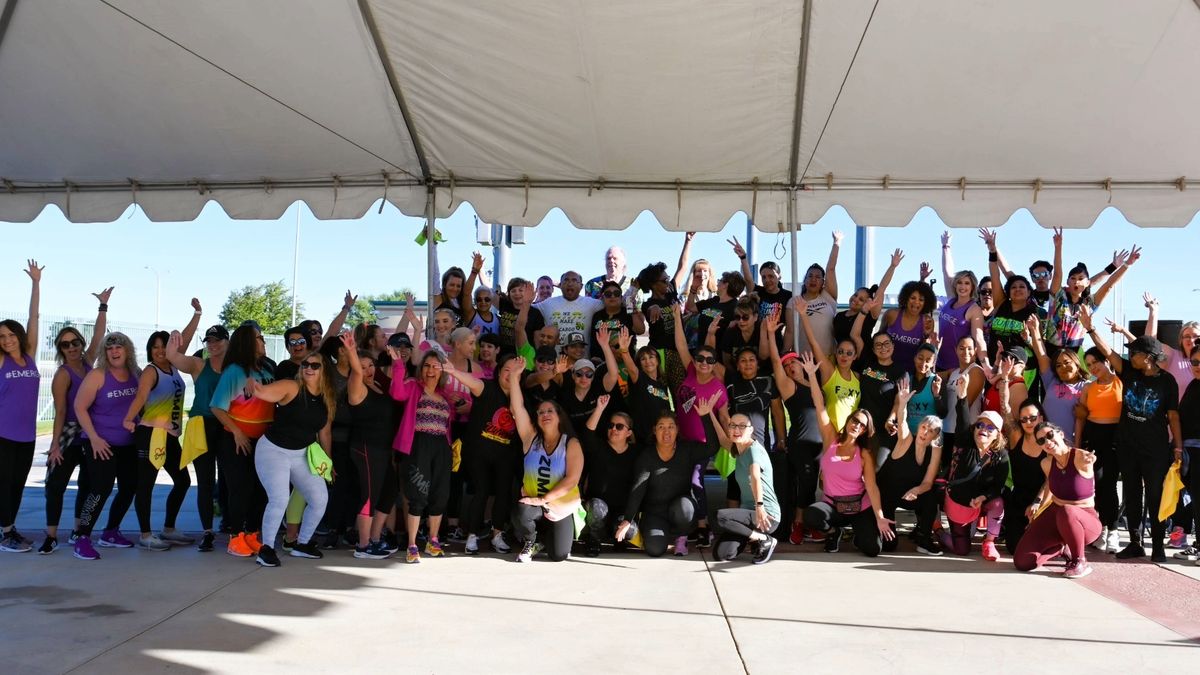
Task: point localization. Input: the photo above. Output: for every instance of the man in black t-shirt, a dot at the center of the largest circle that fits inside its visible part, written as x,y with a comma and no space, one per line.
520,293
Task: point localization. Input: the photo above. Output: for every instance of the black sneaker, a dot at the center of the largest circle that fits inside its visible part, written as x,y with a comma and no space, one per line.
330,540
890,545
389,541
833,540
266,557
49,544
350,538
1133,550
308,550
206,543
225,528
764,550
704,537
287,546
592,548
1158,554
927,545
456,535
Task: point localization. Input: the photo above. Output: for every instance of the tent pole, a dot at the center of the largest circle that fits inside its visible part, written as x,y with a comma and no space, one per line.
864,254
751,254
797,284
431,256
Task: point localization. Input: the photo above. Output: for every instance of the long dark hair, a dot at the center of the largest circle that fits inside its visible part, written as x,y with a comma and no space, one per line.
68,330
565,429
19,331
863,441
243,349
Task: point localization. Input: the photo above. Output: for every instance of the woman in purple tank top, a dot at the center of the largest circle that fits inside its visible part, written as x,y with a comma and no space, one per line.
19,382
75,356
1065,527
911,323
960,316
104,399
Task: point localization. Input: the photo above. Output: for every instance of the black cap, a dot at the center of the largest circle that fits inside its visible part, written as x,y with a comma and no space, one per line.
400,340
253,324
546,354
218,332
1148,345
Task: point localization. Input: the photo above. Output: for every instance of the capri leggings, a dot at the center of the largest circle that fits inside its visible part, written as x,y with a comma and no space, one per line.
377,482
559,533
659,527
57,479
121,468
148,474
426,474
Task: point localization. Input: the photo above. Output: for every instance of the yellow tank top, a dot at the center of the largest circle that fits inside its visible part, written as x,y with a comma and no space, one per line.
841,398
1104,400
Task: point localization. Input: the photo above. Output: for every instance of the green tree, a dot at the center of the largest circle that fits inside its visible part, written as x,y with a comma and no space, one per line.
269,304
361,311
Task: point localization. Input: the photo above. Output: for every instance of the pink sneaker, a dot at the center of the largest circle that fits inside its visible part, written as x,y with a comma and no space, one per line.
1177,538
1077,569
114,539
681,545
989,550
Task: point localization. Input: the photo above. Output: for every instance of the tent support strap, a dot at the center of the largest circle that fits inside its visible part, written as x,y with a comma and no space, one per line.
798,111
430,254
794,319
6,15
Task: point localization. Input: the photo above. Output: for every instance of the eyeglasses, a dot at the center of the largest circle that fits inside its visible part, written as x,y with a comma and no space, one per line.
882,345
67,344
985,427
710,360
1029,419
845,352
297,342
618,426
611,294
310,365
855,421
587,374
1040,275
739,427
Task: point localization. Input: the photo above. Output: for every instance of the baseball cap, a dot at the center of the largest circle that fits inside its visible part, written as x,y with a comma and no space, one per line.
545,354
217,332
1148,345
583,363
993,417
400,340
576,339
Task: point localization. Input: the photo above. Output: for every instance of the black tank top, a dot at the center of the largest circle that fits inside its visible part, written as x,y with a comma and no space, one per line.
1027,474
373,422
803,415
904,473
297,423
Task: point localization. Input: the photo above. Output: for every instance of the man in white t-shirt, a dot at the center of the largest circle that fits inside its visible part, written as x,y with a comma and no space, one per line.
570,312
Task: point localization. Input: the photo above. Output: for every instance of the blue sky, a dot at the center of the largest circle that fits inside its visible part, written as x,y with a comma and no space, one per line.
214,254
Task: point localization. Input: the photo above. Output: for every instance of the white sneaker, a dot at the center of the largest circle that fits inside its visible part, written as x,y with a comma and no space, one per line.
526,554
472,546
1190,553
153,543
499,544
1112,543
1100,541
176,537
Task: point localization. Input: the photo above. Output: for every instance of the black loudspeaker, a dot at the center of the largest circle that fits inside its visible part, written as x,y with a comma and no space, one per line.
1168,330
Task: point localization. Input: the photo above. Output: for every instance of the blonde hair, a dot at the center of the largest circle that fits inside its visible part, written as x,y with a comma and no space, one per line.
712,278
122,339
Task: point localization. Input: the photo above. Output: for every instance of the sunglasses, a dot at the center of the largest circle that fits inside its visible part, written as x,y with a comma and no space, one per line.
1040,275
619,426
844,352
314,331
985,293
310,365
856,421
587,374
745,317
611,294
67,344
548,362
298,342
710,360
1042,440
483,300
1195,363
984,426
1029,419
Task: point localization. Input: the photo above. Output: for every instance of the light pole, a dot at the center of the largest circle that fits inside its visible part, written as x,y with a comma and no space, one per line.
157,293
295,263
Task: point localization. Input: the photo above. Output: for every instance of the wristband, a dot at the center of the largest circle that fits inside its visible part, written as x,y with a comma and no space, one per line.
1110,268
197,313
103,307
758,503
741,257
993,257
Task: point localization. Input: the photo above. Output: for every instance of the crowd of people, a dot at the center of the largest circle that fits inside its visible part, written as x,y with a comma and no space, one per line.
584,415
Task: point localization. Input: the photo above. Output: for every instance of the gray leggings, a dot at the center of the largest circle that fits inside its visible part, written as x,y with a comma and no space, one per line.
735,526
658,528
277,469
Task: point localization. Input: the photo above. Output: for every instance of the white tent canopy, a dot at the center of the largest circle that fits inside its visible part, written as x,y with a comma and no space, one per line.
693,110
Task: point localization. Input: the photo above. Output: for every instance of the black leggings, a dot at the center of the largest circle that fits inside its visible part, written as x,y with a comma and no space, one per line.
16,458
599,526
1191,481
121,468
735,527
247,498
57,479
803,459
491,475
148,474
1101,439
1146,466
206,472
426,474
659,527
559,533
377,482
343,505
924,506
821,516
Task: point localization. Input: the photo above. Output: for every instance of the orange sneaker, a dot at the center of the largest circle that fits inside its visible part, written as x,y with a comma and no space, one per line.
253,542
238,546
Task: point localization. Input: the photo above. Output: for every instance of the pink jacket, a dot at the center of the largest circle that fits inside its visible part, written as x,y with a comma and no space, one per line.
409,390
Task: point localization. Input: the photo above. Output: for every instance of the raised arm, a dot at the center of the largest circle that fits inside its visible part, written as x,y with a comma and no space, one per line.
610,360
406,316
101,325
624,342
356,390
828,433
1032,334
1122,267
189,331
785,384
741,254
685,356
516,404
947,264
831,266
893,265
35,301
339,321
1056,280
989,240
823,362
1152,316
1114,359
468,296
187,363
684,255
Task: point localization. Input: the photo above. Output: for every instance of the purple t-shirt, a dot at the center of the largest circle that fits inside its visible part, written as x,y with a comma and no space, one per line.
110,407
691,428
18,399
1060,403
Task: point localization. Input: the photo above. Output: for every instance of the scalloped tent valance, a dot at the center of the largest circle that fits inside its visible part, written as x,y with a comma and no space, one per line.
692,110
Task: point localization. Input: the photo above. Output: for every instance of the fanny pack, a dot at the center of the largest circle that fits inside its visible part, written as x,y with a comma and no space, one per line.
848,506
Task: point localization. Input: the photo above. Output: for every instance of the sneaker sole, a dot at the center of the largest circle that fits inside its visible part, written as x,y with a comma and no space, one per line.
236,554
153,548
922,549
105,544
767,558
1080,576
300,554
369,556
84,557
263,563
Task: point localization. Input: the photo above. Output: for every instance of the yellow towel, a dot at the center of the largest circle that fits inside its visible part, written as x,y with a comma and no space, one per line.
158,447
1172,486
456,456
194,441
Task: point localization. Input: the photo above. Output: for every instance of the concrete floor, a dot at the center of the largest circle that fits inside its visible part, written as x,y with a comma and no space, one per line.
184,611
